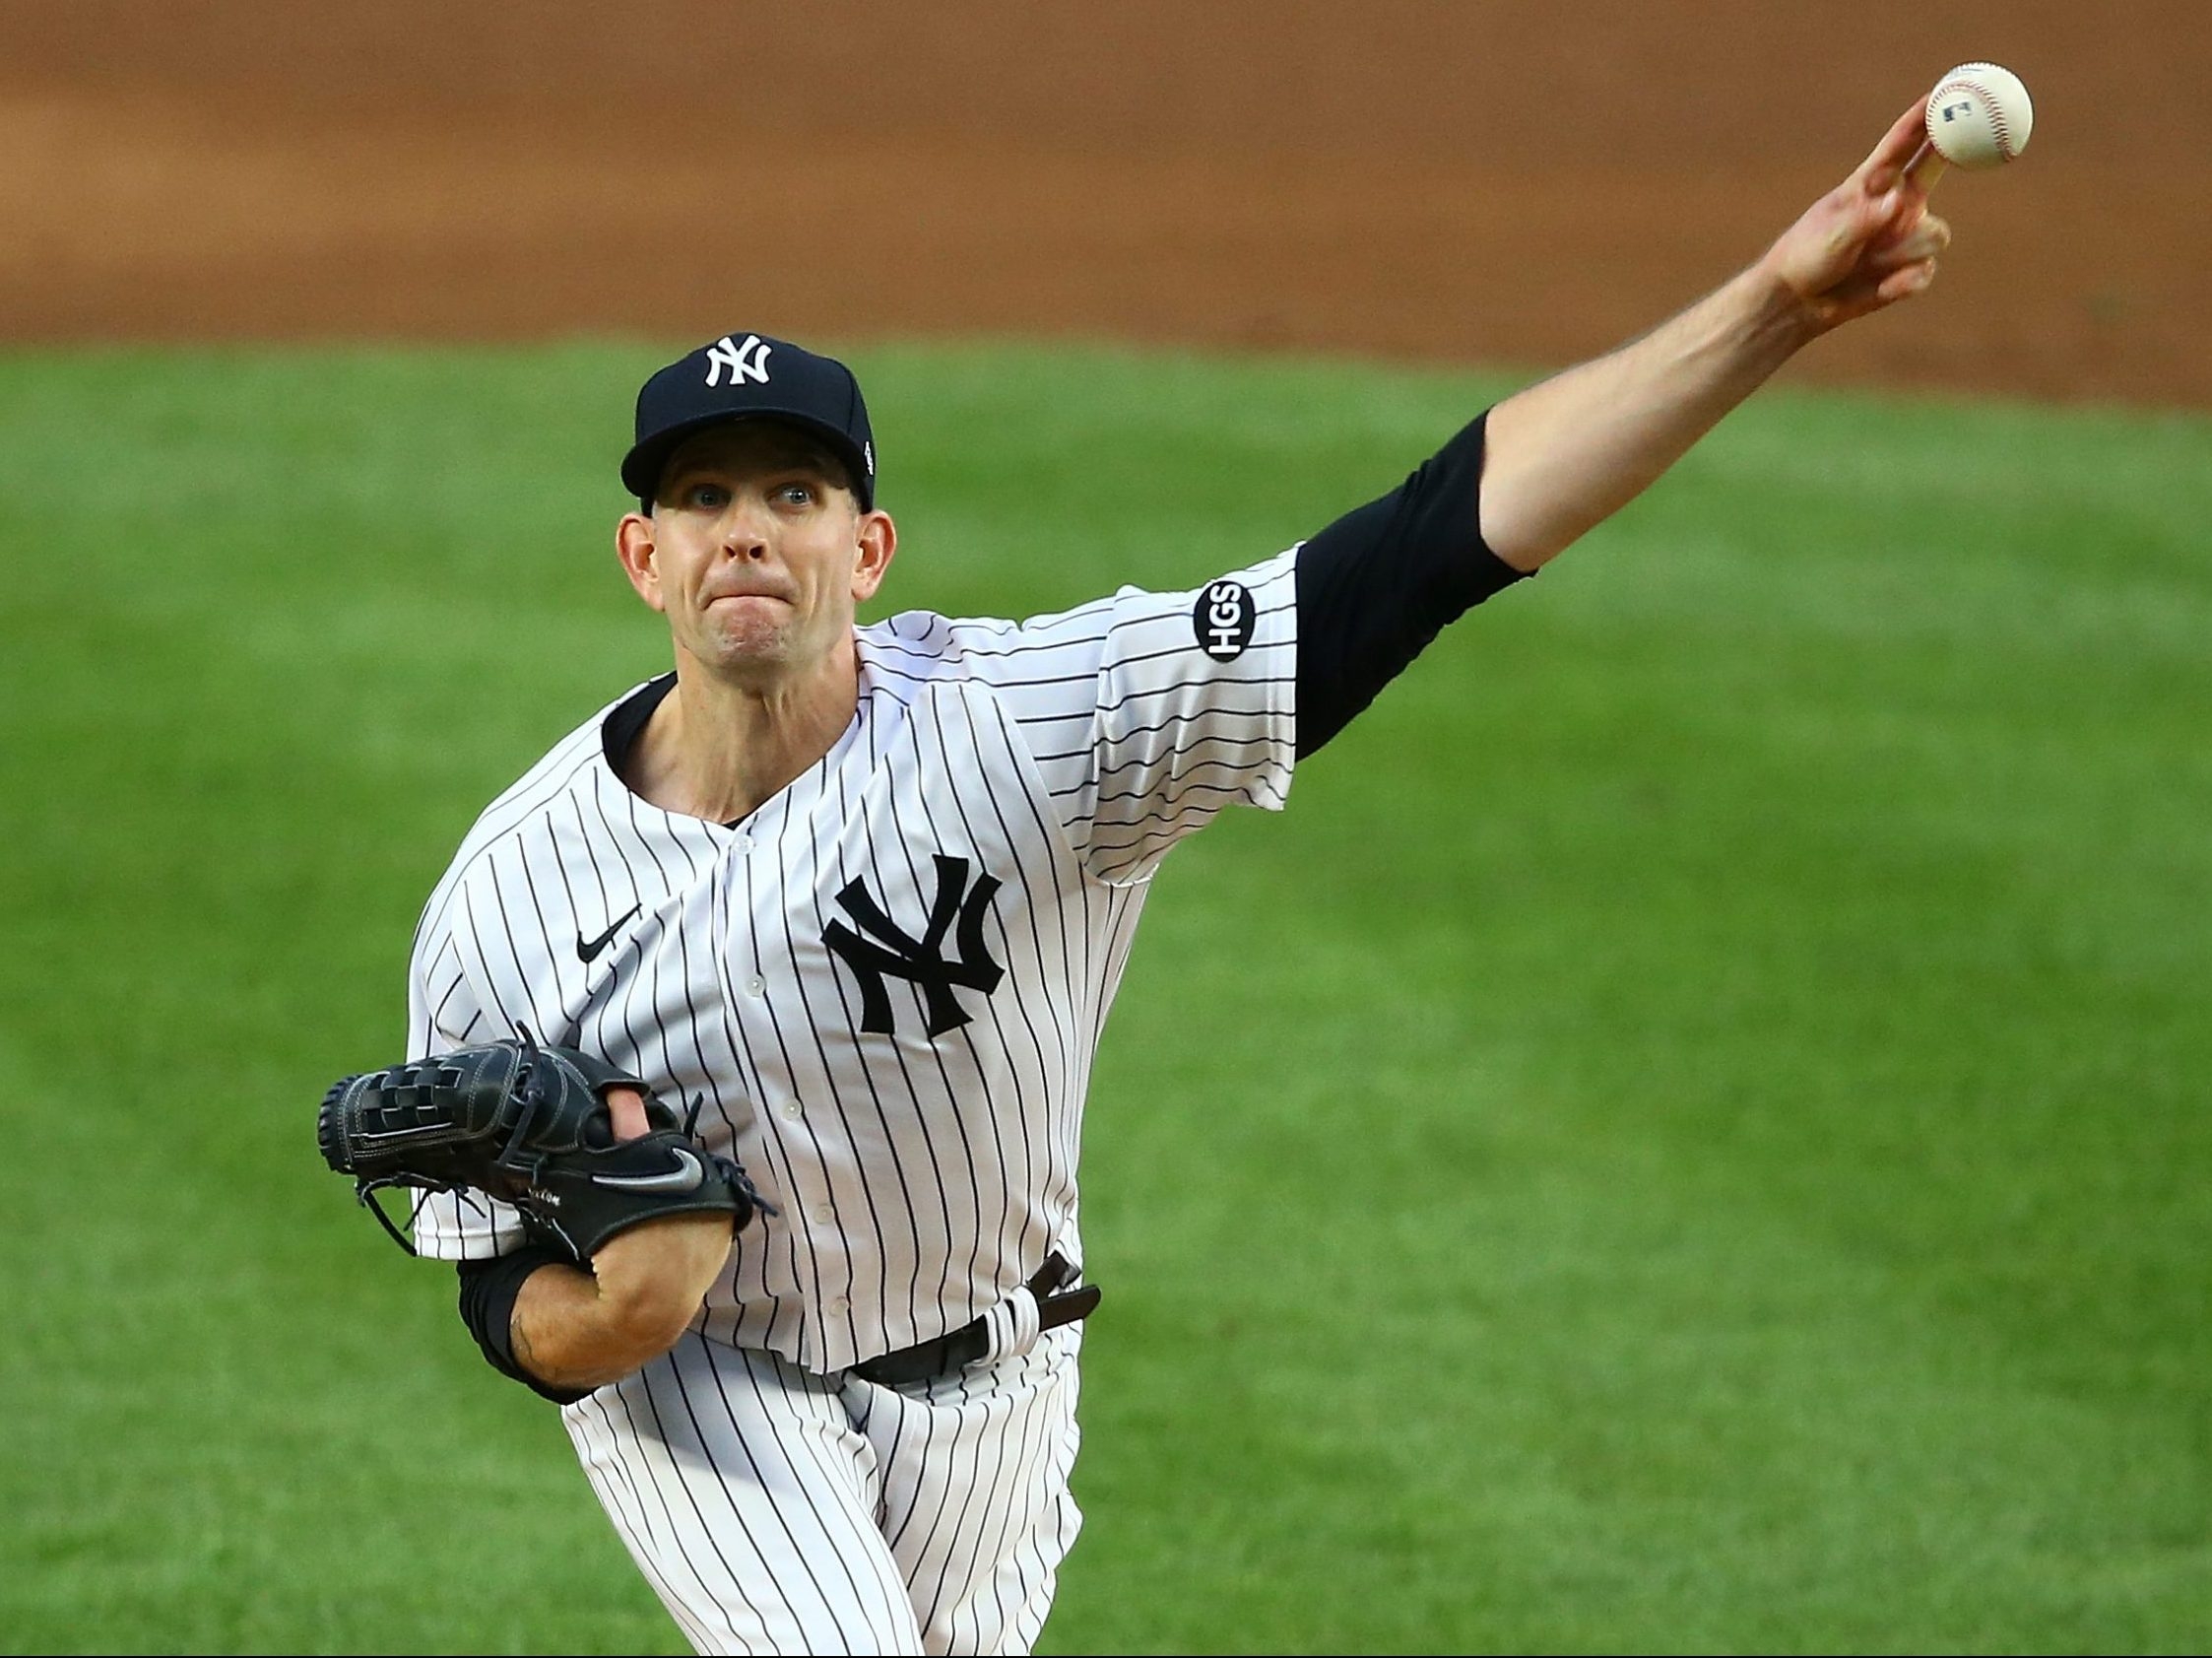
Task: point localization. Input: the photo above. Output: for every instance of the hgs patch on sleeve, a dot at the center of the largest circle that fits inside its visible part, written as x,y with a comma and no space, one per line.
1222,620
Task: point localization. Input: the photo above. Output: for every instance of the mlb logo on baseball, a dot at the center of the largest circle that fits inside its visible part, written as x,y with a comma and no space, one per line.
1980,116
749,362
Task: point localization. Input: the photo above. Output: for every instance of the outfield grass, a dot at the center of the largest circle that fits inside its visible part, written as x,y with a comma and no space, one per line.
1689,1135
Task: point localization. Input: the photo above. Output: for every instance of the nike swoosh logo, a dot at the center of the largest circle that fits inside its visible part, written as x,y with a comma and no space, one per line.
687,1176
585,951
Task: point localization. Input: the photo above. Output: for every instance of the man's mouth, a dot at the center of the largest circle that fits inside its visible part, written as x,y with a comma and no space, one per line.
714,599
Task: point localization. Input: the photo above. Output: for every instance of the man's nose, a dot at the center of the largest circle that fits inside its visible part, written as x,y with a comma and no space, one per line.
744,530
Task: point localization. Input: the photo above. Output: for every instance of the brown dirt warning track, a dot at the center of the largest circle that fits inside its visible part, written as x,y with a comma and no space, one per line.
1412,178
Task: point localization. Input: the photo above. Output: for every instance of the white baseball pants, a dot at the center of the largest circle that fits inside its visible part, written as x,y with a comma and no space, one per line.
777,1511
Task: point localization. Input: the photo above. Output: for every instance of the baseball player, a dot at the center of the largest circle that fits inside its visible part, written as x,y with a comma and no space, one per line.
865,892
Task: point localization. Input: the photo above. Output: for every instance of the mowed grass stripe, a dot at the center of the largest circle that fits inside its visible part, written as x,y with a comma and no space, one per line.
1687,1136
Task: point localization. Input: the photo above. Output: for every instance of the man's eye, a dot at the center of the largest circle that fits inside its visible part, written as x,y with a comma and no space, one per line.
799,494
712,497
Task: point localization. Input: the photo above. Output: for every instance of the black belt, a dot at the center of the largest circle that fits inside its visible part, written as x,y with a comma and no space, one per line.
962,1347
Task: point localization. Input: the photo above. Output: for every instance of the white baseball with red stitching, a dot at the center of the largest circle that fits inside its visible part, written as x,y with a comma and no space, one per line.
1980,116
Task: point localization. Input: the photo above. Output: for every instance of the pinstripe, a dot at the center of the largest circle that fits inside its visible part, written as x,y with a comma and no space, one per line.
519,803
813,1266
973,1189
1026,777
655,1002
1115,705
848,811
1211,740
1031,1103
912,1100
718,1540
979,1492
630,1445
849,1100
992,1518
1024,1113
599,1448
1161,804
1020,1475
787,1241
968,1460
875,1102
1135,659
845,1528
507,934
837,1604
1060,1191
948,1459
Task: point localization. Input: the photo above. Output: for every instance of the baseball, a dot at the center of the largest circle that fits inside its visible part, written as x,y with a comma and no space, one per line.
1980,116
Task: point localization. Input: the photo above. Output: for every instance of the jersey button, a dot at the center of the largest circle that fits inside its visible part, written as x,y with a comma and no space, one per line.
836,1306
791,1109
756,986
743,843
824,1213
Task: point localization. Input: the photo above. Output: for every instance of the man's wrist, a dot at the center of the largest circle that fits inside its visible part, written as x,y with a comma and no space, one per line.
1775,314
491,1292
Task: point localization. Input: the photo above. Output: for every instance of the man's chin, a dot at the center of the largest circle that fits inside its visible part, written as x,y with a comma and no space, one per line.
747,632
747,654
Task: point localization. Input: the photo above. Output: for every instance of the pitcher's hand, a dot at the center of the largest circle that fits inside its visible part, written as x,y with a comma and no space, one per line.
1867,244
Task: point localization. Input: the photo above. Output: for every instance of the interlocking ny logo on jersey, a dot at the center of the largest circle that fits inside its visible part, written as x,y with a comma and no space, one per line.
749,362
894,953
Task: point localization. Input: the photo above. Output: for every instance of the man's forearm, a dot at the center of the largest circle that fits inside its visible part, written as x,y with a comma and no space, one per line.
1570,451
565,1333
581,1329
1567,453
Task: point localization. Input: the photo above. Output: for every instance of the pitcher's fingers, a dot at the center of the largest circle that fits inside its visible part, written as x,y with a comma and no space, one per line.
1926,238
1886,164
1903,284
627,1107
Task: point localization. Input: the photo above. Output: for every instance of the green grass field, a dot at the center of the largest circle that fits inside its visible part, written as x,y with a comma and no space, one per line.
1689,1135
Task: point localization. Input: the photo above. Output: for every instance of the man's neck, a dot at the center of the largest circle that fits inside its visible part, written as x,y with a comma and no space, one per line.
716,749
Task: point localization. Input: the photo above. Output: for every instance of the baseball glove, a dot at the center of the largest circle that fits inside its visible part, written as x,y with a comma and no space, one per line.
530,1125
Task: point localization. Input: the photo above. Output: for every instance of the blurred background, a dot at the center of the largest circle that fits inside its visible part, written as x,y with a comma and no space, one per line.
1689,1135
1467,180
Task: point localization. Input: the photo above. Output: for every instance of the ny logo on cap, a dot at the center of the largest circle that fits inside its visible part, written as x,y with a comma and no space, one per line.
749,362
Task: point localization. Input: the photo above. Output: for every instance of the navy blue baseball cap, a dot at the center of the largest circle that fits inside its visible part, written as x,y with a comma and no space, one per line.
746,377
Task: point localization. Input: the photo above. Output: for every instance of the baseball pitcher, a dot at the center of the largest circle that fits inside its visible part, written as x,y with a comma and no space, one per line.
750,1031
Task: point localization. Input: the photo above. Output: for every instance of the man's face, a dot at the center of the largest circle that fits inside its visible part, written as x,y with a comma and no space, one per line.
756,552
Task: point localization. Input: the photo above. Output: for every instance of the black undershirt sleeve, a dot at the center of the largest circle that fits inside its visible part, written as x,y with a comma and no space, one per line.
487,1306
1377,585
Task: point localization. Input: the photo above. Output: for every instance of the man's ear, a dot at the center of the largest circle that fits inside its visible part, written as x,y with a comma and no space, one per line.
877,537
633,547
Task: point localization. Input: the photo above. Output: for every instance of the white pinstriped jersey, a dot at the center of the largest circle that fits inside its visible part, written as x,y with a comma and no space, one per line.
889,981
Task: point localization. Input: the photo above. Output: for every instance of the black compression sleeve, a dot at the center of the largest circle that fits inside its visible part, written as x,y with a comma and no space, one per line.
487,1306
1379,583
